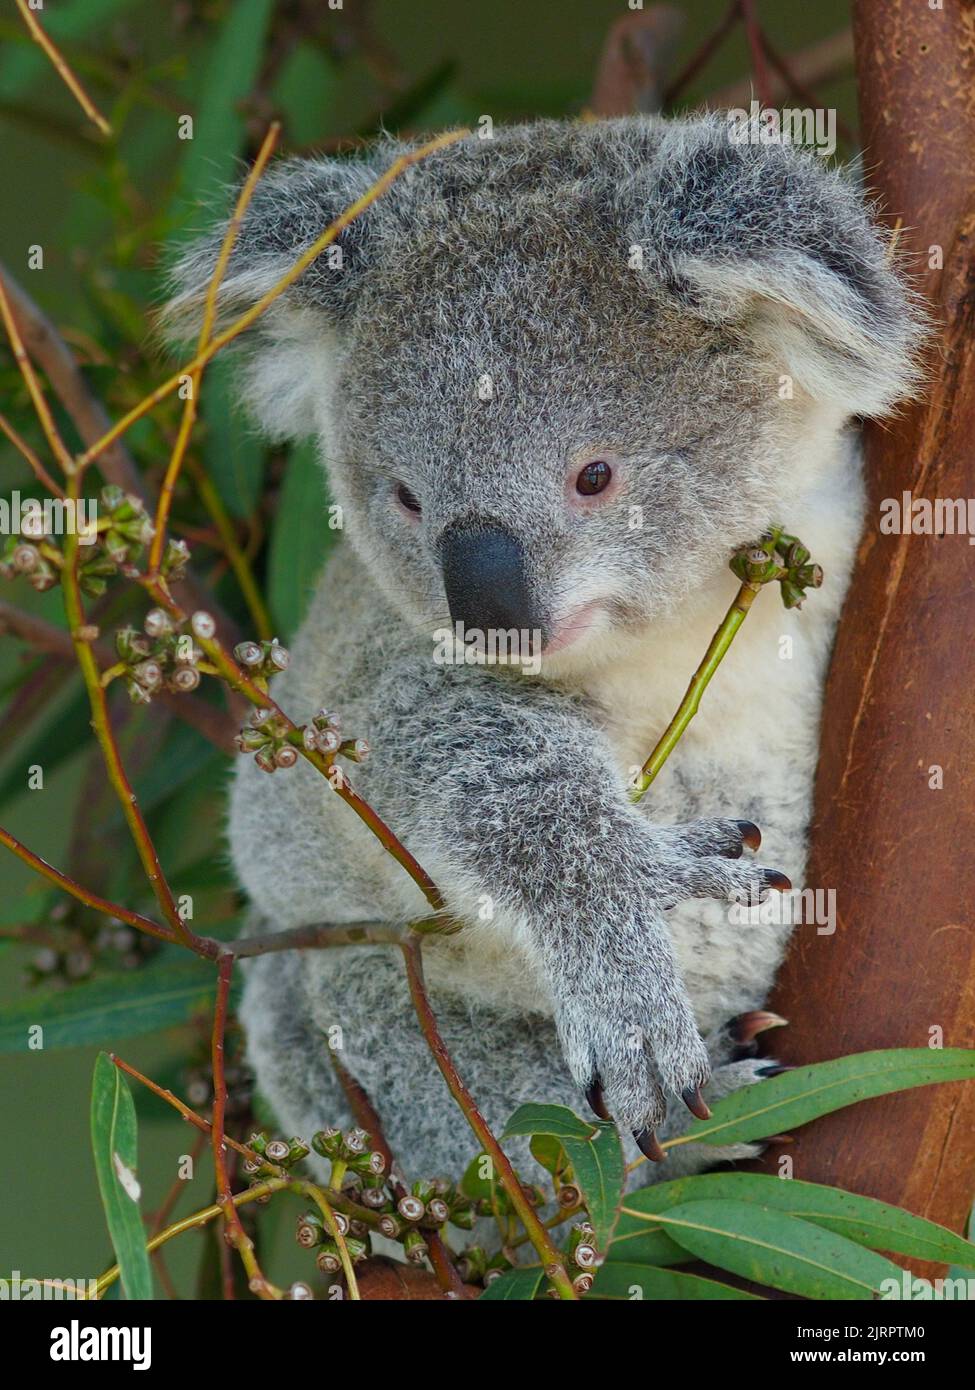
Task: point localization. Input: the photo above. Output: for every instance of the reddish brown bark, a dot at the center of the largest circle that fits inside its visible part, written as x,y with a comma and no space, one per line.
900,855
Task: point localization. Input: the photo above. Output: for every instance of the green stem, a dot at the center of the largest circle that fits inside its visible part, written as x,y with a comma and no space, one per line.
688,707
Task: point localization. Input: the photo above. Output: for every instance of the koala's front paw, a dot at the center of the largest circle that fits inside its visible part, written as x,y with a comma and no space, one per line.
703,859
623,1015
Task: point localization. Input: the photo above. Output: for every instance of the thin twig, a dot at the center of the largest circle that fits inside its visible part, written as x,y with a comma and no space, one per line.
367,1118
242,683
794,84
41,407
62,69
237,1236
38,469
193,1222
90,418
209,316
84,895
702,54
216,725
820,62
550,1257
324,1204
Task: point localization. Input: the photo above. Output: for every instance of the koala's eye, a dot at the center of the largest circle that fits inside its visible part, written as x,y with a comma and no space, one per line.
406,499
593,478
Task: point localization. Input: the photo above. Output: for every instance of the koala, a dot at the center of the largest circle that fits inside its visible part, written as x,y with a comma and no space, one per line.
555,378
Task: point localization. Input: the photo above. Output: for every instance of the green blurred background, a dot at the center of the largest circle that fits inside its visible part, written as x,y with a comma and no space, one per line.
100,211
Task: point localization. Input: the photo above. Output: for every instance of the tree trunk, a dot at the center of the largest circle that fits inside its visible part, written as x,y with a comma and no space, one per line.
900,701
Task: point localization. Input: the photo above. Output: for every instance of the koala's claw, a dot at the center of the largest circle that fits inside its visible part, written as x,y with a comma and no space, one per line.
649,1145
774,1069
695,1102
750,834
746,1027
597,1102
745,1030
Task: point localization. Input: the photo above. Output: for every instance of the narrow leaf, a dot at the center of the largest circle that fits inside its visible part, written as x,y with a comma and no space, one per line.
861,1219
226,78
619,1279
645,1246
600,1172
514,1284
114,1139
771,1247
796,1097
233,453
106,1010
557,1120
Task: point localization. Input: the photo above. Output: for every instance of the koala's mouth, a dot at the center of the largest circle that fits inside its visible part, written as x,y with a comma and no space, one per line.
576,625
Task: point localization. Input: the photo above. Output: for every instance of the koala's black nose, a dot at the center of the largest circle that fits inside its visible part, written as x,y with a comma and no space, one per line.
485,577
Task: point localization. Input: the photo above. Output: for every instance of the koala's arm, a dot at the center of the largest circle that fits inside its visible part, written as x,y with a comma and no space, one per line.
509,790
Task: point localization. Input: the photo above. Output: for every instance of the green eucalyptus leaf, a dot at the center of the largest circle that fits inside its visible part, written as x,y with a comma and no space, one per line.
774,1248
105,1010
514,1284
114,1139
796,1097
548,1153
233,453
63,731
226,78
556,1120
600,1173
644,1246
621,1280
473,1185
863,1220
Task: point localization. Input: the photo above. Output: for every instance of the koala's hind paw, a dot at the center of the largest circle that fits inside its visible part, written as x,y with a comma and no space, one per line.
739,1038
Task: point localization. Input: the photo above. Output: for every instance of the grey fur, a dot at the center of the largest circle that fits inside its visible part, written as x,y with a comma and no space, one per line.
513,259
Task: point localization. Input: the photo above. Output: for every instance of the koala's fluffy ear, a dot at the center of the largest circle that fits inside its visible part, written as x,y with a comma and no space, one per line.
291,348
765,239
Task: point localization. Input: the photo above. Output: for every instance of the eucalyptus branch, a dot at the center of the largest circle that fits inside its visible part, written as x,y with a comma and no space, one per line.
550,1257
102,725
339,1200
84,895
755,566
238,1237
323,1202
245,685
365,1116
194,1222
89,417
214,724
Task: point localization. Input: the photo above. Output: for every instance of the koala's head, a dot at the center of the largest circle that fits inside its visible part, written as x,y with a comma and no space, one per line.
557,374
